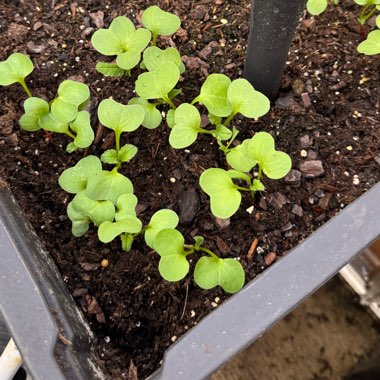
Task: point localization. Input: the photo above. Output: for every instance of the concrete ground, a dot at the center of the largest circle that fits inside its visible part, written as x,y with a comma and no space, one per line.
322,339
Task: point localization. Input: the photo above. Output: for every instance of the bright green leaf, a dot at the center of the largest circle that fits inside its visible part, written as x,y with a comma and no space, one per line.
227,273
239,157
160,220
198,241
127,152
154,57
108,231
73,180
214,95
173,264
170,118
371,45
215,120
109,69
316,7
120,118
187,121
222,133
34,109
160,22
257,185
225,199
246,100
71,147
50,123
80,222
126,206
110,157
152,117
82,127
158,83
126,242
107,185
15,69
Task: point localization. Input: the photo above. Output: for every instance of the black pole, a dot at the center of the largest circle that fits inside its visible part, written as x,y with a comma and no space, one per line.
273,23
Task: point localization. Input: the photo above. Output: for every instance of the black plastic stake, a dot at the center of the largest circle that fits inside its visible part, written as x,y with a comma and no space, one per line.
273,23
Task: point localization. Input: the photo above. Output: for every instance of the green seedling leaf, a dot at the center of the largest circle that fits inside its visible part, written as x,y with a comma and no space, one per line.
71,96
173,93
378,20
222,133
74,180
120,118
97,211
215,120
126,206
246,100
257,185
106,185
123,40
158,83
71,147
110,69
239,175
34,108
80,222
367,2
371,45
316,7
198,241
273,163
187,122
127,152
110,157
14,69
154,57
173,264
50,123
239,158
160,220
225,199
126,242
170,118
214,95
108,231
152,117
212,271
82,127
160,22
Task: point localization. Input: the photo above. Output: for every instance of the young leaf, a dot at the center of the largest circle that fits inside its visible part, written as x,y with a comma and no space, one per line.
108,231
97,211
127,152
110,157
107,185
73,180
160,22
80,222
225,199
173,264
316,7
123,40
120,118
82,127
71,147
214,95
126,206
158,83
187,121
50,123
215,120
275,164
71,96
154,57
246,100
170,118
160,220
239,158
222,133
126,242
198,241
15,69
110,69
212,271
34,109
371,45
257,185
152,117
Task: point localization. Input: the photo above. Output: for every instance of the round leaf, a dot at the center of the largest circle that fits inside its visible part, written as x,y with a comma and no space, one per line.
239,157
34,109
109,186
154,57
128,60
152,117
225,199
316,7
15,69
82,127
371,45
187,121
127,152
50,123
126,206
246,100
159,21
160,220
110,157
222,133
158,83
214,95
108,231
110,69
120,118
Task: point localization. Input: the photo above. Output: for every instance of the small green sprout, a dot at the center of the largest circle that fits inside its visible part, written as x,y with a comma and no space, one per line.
123,40
15,69
120,118
316,7
34,108
111,70
209,271
371,45
225,197
160,22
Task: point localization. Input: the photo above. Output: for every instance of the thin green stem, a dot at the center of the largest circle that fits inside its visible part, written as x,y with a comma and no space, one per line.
229,118
195,100
154,38
25,87
117,139
260,172
233,137
363,17
212,254
68,133
242,188
171,104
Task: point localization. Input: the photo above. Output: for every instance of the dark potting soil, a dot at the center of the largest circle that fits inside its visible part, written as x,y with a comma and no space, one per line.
327,120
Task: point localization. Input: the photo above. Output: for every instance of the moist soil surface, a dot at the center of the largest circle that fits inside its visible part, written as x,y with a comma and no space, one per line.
326,119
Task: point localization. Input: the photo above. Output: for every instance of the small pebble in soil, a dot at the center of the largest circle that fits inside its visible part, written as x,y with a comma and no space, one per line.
104,263
293,177
349,147
172,180
356,180
173,338
192,313
270,258
324,202
303,153
222,223
312,168
188,206
214,304
107,339
250,209
217,299
297,210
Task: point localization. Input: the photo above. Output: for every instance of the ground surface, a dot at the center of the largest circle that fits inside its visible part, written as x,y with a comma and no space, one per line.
134,312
